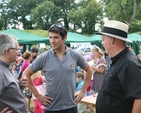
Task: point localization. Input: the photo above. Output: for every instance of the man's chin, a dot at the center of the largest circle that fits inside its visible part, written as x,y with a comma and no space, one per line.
54,48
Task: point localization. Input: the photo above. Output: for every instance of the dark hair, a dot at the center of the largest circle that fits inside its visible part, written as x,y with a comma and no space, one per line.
80,74
58,28
34,49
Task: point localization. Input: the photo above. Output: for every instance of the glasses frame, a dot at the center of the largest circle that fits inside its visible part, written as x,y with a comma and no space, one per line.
17,49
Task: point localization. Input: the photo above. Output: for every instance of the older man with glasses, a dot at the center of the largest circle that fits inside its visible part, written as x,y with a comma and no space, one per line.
11,96
59,66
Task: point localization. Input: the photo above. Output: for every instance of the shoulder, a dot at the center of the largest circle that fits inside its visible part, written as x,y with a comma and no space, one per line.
102,60
73,52
44,55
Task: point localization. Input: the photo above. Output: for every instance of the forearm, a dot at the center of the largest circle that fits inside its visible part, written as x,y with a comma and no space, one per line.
99,69
32,87
87,78
28,73
137,106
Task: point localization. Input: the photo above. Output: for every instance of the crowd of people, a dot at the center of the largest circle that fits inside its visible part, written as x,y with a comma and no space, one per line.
114,74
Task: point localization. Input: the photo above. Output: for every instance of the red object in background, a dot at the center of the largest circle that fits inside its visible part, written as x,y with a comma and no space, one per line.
38,107
89,87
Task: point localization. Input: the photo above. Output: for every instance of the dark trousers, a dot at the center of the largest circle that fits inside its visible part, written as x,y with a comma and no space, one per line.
71,110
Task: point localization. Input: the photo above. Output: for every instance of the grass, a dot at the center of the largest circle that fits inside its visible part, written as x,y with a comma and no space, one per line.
32,104
38,32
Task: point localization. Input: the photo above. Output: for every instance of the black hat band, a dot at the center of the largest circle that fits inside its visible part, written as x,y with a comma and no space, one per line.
114,31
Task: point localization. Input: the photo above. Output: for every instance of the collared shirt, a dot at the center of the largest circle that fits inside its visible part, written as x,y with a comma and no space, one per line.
121,85
60,76
10,92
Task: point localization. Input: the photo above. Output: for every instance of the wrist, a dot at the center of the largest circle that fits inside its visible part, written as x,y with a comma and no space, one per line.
36,95
83,91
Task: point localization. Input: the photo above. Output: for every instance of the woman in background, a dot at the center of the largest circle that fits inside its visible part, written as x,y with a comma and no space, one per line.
38,81
99,68
27,59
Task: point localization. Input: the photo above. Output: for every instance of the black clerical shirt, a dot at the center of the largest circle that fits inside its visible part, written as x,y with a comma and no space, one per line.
121,85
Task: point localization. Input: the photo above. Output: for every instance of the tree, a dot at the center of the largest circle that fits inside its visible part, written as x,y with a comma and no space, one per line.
45,14
20,11
86,18
3,15
66,6
123,10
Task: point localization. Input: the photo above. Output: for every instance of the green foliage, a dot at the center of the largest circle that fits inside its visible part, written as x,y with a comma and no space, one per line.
119,9
20,12
123,10
3,15
1,23
41,14
45,14
66,6
86,18
135,27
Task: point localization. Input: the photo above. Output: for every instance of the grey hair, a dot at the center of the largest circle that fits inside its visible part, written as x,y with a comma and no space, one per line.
6,41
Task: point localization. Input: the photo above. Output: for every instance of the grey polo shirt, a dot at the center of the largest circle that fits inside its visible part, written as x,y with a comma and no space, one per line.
10,92
60,76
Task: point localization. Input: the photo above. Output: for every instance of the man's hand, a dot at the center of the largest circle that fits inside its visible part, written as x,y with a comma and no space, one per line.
5,110
78,96
45,100
23,82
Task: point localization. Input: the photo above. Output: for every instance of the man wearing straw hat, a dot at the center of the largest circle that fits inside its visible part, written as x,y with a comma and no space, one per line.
121,89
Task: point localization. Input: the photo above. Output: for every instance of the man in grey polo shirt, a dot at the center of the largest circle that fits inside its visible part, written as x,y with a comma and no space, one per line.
11,95
59,66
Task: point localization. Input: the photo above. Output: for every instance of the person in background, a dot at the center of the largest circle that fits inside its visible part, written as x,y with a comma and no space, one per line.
59,66
89,57
19,67
99,68
108,61
38,81
139,56
80,81
121,89
27,56
13,69
11,96
34,52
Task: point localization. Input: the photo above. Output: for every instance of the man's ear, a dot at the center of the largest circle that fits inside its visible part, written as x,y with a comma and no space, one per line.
112,40
7,51
65,37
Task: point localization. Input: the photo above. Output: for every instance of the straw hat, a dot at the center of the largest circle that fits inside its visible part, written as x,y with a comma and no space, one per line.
115,29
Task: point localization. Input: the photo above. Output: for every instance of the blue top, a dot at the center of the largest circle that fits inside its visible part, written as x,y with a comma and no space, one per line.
60,76
79,86
18,69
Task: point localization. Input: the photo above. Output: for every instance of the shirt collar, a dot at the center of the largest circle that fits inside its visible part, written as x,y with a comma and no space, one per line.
114,59
64,52
4,64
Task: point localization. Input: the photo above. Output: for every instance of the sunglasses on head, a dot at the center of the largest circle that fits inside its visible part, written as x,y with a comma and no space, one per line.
58,26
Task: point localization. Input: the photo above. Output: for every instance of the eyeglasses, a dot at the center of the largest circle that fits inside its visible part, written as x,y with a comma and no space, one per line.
58,26
17,49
